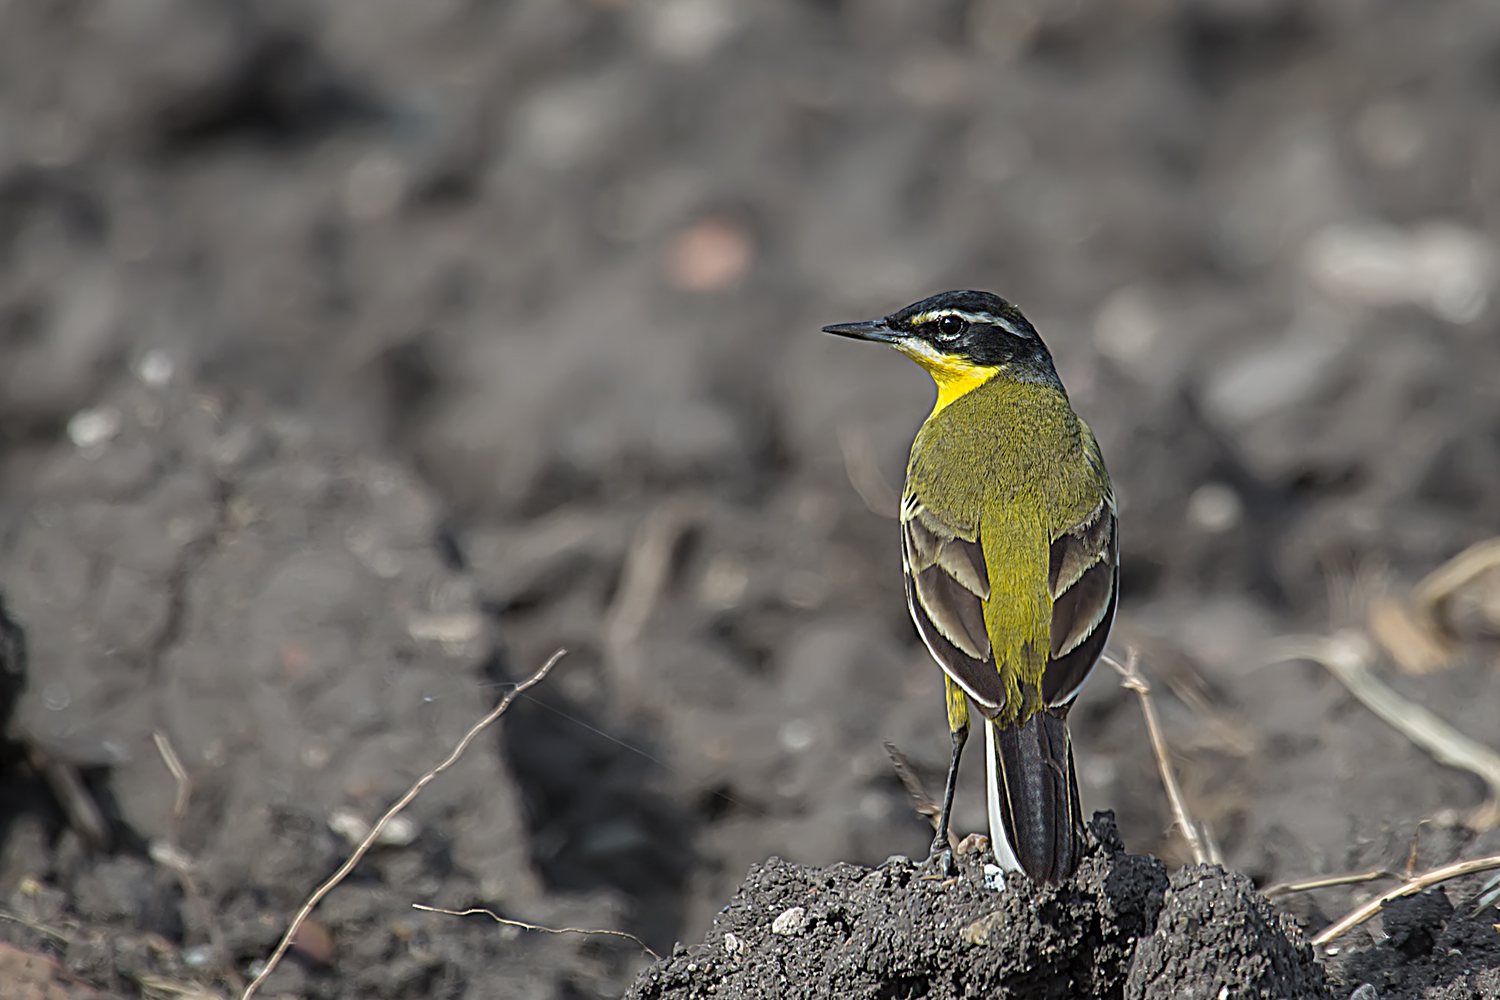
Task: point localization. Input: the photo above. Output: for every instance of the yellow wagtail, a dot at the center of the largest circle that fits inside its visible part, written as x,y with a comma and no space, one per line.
1011,561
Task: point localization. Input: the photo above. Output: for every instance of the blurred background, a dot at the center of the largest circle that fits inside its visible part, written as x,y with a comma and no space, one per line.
356,355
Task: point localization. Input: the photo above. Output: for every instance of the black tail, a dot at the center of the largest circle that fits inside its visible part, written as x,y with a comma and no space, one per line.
1033,798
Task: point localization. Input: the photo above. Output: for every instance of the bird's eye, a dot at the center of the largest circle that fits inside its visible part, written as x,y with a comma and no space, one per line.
951,326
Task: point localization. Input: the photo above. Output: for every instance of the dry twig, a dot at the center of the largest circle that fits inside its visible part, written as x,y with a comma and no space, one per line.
161,986
920,800
179,774
1131,679
1413,855
1325,881
50,932
1489,895
1418,634
72,795
525,926
390,814
1414,642
1210,843
171,855
1412,886
1222,729
1432,594
648,565
1347,655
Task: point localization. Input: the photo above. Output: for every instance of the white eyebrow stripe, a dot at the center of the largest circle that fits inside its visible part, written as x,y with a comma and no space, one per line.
971,317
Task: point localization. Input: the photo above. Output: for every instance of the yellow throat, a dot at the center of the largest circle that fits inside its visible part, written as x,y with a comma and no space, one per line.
954,376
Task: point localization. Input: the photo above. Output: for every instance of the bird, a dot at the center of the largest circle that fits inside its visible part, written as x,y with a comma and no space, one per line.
1011,563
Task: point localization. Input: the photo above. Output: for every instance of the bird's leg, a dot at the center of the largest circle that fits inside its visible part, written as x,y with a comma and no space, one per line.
958,728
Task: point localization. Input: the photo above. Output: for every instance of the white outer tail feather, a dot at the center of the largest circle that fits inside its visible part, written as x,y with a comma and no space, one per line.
1005,857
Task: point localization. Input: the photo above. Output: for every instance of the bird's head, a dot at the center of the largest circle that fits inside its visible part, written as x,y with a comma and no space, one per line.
963,339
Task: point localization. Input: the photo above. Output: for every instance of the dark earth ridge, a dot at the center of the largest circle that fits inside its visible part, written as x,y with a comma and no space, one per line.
1120,928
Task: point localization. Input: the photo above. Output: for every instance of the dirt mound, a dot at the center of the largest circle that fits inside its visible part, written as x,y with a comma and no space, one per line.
1429,948
1216,933
1120,927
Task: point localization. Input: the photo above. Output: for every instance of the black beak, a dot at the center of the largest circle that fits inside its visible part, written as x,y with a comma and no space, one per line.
871,329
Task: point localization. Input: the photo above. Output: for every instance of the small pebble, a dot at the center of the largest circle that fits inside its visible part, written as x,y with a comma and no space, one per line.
399,832
197,956
1366,991
1129,329
979,931
56,697
797,734
994,877
155,368
170,856
314,942
791,921
91,430
1215,508
709,256
732,944
457,628
688,31
1449,270
348,825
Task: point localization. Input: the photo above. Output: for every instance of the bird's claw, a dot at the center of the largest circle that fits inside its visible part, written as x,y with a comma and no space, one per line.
941,861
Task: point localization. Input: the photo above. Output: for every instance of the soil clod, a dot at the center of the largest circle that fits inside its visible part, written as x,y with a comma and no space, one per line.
1120,927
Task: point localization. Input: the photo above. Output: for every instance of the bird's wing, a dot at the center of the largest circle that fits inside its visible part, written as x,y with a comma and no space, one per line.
947,584
946,587
1083,579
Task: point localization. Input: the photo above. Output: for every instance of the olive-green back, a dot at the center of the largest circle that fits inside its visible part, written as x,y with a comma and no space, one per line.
1010,463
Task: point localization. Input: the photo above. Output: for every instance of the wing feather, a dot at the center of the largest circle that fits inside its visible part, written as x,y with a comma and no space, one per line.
1077,549
935,544
1084,578
956,612
946,585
